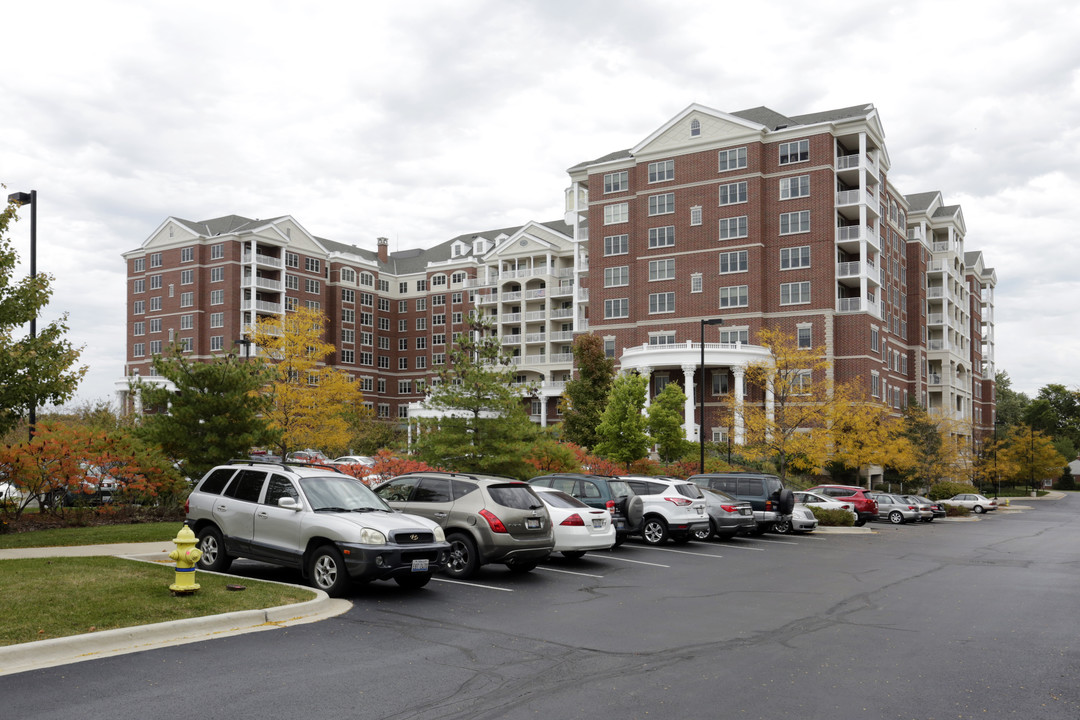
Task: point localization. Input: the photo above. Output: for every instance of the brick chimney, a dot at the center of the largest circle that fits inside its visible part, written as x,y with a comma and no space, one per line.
384,250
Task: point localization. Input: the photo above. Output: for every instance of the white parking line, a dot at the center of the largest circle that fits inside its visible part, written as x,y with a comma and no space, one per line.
568,572
740,546
775,542
636,562
469,584
671,550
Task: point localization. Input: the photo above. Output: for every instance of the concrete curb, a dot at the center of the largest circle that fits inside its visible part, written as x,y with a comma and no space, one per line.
842,530
91,646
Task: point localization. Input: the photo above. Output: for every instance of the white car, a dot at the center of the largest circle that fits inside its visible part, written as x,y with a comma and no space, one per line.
354,460
972,501
578,527
806,497
9,492
673,508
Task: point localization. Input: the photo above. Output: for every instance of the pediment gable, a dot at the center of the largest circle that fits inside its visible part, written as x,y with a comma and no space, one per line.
712,127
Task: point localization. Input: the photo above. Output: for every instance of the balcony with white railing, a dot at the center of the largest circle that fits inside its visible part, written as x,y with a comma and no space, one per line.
510,318
915,233
511,296
486,298
488,281
935,319
566,272
535,337
849,269
937,344
933,379
562,335
583,294
536,294
535,315
512,339
267,261
261,306
562,291
263,284
559,313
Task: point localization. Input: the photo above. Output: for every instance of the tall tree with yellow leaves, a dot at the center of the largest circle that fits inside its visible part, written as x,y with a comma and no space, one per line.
865,432
309,400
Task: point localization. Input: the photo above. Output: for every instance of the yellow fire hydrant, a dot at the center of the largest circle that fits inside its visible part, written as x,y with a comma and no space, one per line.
186,556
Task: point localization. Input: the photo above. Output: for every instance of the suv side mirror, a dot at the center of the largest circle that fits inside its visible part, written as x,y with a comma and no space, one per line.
290,504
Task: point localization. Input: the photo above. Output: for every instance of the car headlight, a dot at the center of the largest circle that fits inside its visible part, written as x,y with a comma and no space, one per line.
440,536
368,536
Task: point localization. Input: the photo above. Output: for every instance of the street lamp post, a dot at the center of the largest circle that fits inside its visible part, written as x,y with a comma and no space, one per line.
246,342
997,476
701,391
30,198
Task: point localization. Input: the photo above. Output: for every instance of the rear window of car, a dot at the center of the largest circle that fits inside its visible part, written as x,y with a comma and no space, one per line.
560,499
519,497
720,494
688,490
619,488
215,481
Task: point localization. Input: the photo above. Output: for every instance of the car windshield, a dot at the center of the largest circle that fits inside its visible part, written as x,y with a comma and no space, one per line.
340,493
559,499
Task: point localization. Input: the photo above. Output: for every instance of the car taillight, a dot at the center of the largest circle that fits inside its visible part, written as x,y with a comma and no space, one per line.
610,505
768,505
846,507
729,508
573,521
495,523
187,506
680,501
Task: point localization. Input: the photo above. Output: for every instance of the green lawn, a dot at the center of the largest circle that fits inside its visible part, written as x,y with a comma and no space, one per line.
95,535
56,597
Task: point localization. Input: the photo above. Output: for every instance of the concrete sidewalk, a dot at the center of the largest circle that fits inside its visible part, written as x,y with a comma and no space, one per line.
90,646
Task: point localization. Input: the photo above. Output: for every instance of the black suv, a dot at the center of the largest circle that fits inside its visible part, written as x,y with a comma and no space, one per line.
606,493
765,493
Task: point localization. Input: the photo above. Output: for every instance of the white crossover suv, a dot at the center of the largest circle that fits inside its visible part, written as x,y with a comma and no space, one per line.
674,509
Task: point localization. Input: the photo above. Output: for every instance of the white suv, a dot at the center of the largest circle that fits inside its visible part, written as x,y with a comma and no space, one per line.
674,509
324,523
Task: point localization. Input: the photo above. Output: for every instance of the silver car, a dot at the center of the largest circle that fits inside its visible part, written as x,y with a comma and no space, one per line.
895,509
727,516
326,524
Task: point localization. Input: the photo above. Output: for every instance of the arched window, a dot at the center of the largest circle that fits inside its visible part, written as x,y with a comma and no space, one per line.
695,128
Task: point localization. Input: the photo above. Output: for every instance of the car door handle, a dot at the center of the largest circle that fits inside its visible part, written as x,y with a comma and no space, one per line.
440,514
222,506
263,514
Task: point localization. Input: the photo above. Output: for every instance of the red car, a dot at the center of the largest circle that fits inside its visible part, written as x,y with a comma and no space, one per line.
866,507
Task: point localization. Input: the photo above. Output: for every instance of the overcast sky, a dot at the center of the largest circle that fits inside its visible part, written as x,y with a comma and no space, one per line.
424,120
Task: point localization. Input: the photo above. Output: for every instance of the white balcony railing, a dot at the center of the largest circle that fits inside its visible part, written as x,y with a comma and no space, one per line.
849,269
535,337
536,315
264,260
263,284
510,318
534,294
562,313
511,296
261,306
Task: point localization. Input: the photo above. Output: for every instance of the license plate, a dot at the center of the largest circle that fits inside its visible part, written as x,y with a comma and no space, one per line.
420,565
701,511
746,511
598,524
532,523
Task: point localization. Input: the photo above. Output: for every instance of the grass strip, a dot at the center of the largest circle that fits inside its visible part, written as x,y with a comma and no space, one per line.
93,535
58,597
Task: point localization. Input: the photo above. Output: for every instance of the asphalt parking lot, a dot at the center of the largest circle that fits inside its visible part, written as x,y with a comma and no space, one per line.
940,620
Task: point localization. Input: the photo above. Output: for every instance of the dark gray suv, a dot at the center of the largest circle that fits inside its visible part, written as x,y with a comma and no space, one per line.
765,493
487,519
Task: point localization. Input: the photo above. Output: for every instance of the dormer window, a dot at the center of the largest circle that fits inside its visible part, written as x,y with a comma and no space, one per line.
695,128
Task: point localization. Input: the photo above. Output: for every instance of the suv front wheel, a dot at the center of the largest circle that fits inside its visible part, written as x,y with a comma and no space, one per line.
327,571
654,531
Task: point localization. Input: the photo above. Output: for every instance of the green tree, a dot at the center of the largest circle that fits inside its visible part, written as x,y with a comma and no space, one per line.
583,399
483,426
934,452
215,410
309,400
665,423
35,371
621,433
1056,411
1010,403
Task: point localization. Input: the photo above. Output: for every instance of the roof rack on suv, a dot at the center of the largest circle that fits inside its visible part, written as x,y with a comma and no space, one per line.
449,473
286,465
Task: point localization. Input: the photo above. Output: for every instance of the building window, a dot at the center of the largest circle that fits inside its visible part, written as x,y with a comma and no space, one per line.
617,308
438,339
874,339
609,347
312,286
733,193
438,359
348,357
695,283
720,382
384,410
735,227
403,343
662,236
139,307
291,303
438,300
187,277
155,282
155,260
187,322
138,265
313,265
138,328
217,252
421,363
155,347
875,385
734,159
661,303
185,344
292,282
348,336
217,274
617,276
139,286
800,381
217,343
661,171
735,335
138,350
366,358
312,304
734,262
616,181
793,152
366,318
695,215
796,257
421,323
187,255
734,296
695,128
456,318
421,343
349,296
615,245
217,297
403,363
404,387
794,187
217,320
795,222
662,269
155,325
662,204
617,213
155,304
421,285
804,337
662,338
421,304
439,319
796,293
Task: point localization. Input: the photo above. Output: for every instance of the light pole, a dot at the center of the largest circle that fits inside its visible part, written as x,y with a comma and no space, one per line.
1031,432
701,391
20,199
246,342
997,477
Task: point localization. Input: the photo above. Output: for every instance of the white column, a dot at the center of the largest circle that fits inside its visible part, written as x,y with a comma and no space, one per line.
689,426
740,428
646,372
543,400
770,404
